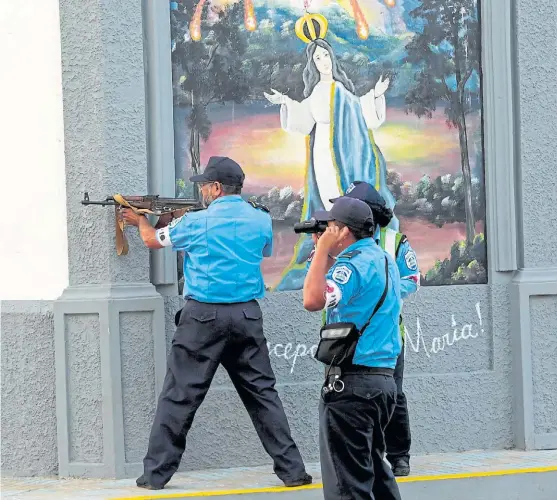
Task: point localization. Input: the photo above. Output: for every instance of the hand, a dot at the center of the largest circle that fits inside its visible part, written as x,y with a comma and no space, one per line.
381,86
332,237
275,97
130,217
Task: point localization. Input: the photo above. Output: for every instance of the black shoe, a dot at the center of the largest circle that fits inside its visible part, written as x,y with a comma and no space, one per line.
142,483
305,479
401,467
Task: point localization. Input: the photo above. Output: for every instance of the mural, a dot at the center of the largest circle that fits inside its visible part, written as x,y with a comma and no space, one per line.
310,95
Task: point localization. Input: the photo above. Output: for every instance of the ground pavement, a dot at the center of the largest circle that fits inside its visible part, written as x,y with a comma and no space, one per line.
481,475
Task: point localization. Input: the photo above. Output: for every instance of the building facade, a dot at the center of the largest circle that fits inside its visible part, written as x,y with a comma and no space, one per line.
131,97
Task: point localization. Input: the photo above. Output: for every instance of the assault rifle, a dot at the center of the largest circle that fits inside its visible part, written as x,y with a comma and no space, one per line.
164,208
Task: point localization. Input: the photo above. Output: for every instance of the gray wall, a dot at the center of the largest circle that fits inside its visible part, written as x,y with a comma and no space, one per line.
481,365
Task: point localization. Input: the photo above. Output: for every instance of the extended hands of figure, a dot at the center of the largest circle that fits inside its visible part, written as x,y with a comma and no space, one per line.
275,97
381,86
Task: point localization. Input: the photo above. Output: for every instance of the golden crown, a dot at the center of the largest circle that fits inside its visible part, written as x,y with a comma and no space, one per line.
310,27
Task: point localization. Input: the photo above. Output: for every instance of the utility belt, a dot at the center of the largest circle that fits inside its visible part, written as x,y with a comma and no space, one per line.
333,378
337,345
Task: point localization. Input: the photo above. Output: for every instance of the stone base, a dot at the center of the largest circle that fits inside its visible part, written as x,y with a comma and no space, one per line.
28,389
110,366
533,327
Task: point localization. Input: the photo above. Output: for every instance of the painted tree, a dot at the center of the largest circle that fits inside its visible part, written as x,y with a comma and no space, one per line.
447,51
209,71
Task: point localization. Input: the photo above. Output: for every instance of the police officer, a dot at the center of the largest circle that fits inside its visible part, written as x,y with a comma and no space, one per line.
220,323
397,434
361,287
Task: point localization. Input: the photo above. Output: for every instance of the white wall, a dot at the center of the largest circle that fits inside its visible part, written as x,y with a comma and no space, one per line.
33,236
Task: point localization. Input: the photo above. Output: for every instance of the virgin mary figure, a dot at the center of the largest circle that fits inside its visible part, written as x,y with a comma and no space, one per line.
338,126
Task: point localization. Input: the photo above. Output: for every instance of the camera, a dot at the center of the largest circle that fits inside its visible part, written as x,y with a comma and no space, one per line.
310,226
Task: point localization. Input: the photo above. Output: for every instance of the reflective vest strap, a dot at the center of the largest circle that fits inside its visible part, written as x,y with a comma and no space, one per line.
389,241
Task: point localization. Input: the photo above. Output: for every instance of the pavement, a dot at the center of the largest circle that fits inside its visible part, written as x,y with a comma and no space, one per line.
514,471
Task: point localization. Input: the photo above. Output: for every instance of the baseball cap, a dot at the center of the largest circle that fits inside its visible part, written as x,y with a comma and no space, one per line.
221,169
350,211
365,192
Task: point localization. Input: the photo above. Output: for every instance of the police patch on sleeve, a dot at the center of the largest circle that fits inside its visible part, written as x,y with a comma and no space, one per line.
332,294
411,260
163,236
341,274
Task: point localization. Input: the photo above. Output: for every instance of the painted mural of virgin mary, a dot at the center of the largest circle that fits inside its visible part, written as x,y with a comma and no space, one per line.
338,126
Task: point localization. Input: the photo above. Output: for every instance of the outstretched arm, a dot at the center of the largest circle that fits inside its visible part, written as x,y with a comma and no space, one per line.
294,116
374,104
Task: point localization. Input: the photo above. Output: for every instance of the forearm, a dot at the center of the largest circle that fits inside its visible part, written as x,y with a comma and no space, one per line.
315,282
148,233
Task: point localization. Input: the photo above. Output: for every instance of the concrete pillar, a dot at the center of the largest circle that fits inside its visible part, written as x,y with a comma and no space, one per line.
534,287
109,321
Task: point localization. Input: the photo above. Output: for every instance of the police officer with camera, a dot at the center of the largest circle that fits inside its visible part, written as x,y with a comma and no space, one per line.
397,434
220,323
359,344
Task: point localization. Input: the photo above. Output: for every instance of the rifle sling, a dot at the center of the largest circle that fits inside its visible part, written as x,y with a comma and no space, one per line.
121,240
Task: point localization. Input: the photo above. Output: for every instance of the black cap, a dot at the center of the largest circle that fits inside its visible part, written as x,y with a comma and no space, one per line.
350,211
221,169
365,192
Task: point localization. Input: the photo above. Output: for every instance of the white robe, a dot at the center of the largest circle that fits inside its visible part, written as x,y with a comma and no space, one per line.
301,117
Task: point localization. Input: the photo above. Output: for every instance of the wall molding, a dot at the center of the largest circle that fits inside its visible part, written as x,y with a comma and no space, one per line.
498,132
527,283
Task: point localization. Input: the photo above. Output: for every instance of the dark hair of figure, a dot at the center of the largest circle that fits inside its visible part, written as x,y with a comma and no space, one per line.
311,73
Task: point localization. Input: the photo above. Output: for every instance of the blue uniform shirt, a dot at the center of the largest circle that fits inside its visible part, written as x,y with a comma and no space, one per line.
224,246
355,284
406,261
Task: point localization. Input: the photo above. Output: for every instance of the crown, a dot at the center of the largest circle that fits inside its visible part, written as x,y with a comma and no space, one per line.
310,27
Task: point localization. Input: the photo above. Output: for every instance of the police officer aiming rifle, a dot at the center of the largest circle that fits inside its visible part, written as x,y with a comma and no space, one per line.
359,344
220,323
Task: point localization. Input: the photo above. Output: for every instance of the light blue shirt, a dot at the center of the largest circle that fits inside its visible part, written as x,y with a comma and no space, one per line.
224,246
355,284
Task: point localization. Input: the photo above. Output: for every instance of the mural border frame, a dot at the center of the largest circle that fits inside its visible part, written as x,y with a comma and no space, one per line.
499,125
157,61
498,121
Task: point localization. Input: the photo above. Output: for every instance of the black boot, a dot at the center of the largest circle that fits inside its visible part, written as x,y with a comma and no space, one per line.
305,479
401,466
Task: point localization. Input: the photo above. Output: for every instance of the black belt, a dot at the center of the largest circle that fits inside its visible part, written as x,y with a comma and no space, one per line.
370,370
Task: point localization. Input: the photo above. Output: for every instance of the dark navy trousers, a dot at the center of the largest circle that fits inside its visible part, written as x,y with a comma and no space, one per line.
352,439
208,335
397,434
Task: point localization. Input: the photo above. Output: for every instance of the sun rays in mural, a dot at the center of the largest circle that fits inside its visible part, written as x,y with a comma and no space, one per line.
250,20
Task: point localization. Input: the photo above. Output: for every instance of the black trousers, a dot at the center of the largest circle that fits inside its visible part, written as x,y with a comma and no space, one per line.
397,434
352,441
209,335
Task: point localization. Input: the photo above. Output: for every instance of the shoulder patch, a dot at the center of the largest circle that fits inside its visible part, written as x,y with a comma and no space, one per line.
349,255
341,274
411,260
258,206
